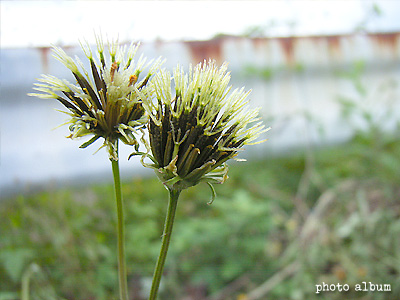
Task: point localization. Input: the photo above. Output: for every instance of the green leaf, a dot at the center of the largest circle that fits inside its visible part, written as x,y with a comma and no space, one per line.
14,261
89,142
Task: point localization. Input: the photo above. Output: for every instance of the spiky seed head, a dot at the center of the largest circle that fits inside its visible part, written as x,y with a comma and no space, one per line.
105,103
197,125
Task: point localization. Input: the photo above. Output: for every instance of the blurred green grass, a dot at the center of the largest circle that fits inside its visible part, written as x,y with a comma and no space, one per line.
330,215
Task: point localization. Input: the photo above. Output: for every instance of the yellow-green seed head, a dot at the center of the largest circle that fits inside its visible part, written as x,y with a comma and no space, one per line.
197,125
104,103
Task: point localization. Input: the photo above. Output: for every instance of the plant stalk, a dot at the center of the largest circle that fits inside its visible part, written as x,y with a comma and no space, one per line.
168,225
123,285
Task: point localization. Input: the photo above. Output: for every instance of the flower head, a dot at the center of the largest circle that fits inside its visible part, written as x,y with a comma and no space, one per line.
104,104
195,128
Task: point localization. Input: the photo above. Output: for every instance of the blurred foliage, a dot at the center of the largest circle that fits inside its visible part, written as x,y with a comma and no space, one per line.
277,228
64,240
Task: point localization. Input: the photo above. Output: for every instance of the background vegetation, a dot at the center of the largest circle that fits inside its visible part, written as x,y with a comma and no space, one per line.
278,227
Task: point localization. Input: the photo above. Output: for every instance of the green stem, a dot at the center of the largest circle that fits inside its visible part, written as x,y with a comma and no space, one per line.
169,223
123,286
26,277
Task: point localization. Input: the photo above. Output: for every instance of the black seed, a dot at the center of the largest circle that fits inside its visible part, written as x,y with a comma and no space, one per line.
166,126
81,104
88,90
169,147
136,112
189,162
204,156
155,142
70,106
99,81
182,158
205,140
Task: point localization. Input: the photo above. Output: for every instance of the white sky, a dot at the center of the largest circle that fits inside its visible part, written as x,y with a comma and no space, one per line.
40,23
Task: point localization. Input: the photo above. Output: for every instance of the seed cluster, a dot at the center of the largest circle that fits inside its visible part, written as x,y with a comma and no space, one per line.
200,126
105,103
